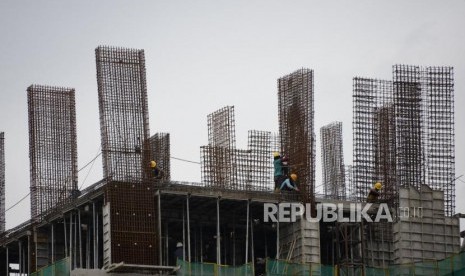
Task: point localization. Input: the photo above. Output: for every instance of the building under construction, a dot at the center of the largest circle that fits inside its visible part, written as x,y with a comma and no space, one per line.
136,222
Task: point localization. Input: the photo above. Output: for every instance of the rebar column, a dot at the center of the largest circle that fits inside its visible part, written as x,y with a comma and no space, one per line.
124,121
52,146
296,128
332,157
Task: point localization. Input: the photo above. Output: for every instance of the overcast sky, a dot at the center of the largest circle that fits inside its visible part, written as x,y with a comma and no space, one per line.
203,55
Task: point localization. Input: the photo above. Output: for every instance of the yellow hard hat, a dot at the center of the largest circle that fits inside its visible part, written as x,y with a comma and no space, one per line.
378,186
276,154
153,164
294,177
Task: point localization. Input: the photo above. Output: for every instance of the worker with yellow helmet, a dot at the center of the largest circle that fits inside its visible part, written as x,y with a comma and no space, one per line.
157,173
374,193
278,170
290,183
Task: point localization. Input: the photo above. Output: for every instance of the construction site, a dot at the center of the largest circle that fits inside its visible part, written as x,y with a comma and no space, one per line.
138,221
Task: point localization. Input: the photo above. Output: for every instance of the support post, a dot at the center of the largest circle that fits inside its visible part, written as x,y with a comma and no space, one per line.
218,238
188,230
277,237
71,240
252,242
97,240
88,245
7,262
20,256
53,242
66,238
166,244
247,233
94,236
201,245
29,254
183,235
80,238
160,245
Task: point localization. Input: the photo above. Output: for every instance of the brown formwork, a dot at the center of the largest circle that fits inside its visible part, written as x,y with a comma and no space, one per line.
133,213
2,182
296,127
160,148
124,121
332,159
52,146
374,136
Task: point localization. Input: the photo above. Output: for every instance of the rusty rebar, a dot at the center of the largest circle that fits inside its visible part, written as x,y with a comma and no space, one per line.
332,160
124,121
296,127
52,146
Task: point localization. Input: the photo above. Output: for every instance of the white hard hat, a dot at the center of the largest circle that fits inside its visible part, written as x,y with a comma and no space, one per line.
179,244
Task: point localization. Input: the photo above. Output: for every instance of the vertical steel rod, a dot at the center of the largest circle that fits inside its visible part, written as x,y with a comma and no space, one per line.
188,230
247,234
160,244
53,242
218,238
80,238
94,236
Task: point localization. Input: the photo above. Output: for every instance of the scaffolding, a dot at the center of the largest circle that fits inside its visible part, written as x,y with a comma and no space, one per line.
124,121
334,185
160,148
296,127
52,146
2,182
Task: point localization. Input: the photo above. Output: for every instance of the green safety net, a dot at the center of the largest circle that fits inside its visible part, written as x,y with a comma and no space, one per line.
59,268
454,265
211,269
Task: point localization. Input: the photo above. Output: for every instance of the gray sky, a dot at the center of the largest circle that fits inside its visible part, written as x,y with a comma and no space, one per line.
202,55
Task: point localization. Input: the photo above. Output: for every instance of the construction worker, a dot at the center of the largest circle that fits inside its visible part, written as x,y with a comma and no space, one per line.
157,173
285,164
374,193
290,183
179,252
279,177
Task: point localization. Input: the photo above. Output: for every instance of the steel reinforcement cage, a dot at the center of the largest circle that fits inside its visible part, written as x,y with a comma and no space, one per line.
124,121
404,132
160,148
333,161
374,138
296,127
52,146
424,113
224,166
